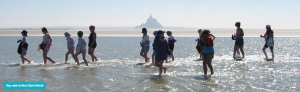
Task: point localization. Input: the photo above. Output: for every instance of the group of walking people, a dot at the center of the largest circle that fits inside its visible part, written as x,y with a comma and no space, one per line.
47,43
205,46
162,48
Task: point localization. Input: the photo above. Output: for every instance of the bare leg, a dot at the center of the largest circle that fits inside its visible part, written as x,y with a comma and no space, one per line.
45,53
67,54
141,53
234,51
146,56
264,50
205,65
209,59
91,53
172,55
74,57
200,55
51,60
22,57
153,55
242,50
161,67
156,63
272,51
83,56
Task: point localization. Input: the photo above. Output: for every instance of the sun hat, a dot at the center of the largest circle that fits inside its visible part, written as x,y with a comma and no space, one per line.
66,33
160,32
199,31
155,32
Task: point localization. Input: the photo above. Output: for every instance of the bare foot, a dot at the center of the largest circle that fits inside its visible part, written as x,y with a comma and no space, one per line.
96,59
147,60
211,73
53,62
29,62
165,70
159,75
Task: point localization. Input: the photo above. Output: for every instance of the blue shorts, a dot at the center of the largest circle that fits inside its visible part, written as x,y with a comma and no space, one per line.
239,41
146,48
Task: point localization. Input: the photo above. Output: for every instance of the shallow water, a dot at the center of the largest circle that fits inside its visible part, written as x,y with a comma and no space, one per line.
119,68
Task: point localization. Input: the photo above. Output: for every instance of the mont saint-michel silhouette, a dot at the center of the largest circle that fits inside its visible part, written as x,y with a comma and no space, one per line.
150,23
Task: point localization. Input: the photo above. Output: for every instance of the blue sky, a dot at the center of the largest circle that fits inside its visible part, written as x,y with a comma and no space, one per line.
253,14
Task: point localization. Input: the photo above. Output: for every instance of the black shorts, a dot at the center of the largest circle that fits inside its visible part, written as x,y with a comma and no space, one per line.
94,45
171,47
267,46
239,41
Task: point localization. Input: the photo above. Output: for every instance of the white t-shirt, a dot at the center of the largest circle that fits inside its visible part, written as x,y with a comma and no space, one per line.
70,42
171,38
80,45
24,39
46,38
145,38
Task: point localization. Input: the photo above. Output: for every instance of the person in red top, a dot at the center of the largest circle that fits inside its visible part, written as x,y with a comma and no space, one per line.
207,51
268,35
171,41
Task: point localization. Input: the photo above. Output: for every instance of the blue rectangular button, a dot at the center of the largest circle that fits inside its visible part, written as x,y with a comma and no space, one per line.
24,85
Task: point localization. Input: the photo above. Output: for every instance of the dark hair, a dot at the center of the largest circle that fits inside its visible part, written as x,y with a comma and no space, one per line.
45,29
80,33
205,32
238,23
25,34
92,26
144,29
169,32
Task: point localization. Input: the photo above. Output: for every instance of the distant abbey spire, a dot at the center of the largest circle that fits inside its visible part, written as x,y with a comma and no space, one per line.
150,23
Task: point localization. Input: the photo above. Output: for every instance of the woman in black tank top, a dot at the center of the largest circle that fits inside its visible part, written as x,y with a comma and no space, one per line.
91,39
92,43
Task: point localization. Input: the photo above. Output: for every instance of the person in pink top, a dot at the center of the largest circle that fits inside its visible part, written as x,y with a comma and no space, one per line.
70,46
45,45
239,40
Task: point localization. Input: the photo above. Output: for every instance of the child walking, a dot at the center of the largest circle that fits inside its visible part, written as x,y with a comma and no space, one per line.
171,41
23,47
80,48
162,51
70,46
